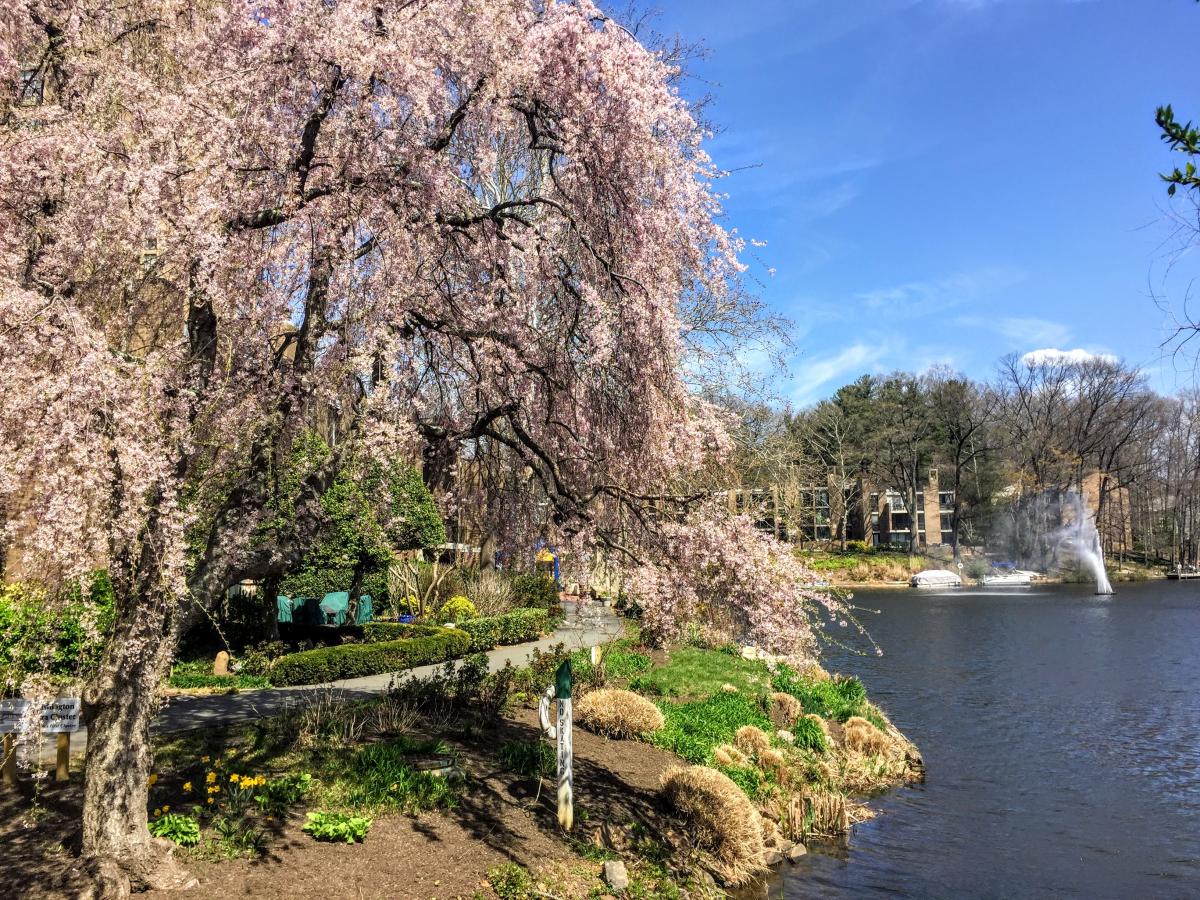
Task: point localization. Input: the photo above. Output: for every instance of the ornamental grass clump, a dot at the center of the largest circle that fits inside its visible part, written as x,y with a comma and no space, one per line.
729,755
618,714
723,821
785,709
751,740
863,737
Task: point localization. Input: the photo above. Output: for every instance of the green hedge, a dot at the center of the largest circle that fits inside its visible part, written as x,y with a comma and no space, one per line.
516,627
395,631
359,660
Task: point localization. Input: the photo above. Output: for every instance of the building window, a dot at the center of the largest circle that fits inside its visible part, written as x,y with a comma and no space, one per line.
946,499
32,88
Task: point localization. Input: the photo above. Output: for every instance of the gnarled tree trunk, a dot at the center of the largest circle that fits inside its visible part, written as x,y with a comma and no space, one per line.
121,703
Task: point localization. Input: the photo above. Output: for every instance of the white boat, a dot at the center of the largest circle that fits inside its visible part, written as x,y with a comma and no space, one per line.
1008,579
936,578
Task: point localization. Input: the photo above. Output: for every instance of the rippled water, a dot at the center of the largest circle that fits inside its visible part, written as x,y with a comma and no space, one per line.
1061,735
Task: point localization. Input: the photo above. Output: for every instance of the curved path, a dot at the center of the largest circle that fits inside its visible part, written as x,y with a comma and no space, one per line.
585,625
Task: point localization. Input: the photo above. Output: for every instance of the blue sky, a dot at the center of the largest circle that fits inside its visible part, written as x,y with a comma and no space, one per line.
948,181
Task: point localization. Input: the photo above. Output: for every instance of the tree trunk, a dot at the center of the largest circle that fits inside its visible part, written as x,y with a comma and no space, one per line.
120,704
270,586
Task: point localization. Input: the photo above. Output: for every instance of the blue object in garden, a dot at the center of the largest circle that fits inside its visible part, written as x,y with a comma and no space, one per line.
408,620
366,612
283,604
333,608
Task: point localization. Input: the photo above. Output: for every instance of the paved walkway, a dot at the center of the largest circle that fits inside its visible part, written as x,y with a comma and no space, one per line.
586,624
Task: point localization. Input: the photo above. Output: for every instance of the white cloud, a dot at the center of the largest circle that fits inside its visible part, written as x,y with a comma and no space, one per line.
811,376
1054,356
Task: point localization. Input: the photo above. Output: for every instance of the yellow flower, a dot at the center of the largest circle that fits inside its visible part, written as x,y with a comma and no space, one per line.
394,786
210,800
204,759
210,777
157,813
152,780
187,786
215,789
233,779
166,808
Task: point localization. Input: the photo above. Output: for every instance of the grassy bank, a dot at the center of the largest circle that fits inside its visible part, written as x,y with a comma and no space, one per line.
444,786
865,567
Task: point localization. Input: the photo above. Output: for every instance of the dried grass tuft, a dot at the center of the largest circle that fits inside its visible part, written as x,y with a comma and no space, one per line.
774,761
863,737
724,822
618,714
786,736
728,755
729,688
785,709
751,740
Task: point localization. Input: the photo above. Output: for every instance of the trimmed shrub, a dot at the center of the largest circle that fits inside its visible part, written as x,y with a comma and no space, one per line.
618,714
358,660
723,821
484,633
863,737
534,591
457,609
523,625
395,631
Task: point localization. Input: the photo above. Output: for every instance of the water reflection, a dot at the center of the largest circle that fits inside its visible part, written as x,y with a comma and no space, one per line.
1061,735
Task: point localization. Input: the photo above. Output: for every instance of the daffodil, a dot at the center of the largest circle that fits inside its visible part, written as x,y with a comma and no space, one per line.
187,786
210,799
234,779
210,777
204,759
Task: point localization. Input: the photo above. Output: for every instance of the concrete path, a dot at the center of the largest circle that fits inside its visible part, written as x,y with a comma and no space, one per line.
586,624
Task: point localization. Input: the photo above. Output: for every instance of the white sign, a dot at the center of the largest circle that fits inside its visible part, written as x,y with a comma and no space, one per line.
58,716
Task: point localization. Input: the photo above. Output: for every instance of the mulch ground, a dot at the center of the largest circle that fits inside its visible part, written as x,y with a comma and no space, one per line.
436,856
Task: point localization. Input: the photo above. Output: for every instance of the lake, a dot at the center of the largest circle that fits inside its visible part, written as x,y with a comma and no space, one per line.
1061,736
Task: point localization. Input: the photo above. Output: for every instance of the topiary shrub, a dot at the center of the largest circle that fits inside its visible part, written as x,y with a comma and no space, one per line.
359,660
724,823
534,591
457,609
618,714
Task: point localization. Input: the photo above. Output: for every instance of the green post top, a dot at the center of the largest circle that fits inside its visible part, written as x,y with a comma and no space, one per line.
562,681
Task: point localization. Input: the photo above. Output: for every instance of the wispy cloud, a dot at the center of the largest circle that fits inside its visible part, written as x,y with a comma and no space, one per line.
810,377
925,297
1021,331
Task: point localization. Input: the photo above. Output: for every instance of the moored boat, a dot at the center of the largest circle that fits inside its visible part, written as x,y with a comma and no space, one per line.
936,578
1007,579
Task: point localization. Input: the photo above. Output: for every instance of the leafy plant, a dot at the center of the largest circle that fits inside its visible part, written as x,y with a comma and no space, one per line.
529,759
511,882
329,826
836,698
692,730
279,795
808,734
457,609
183,829
383,776
534,591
